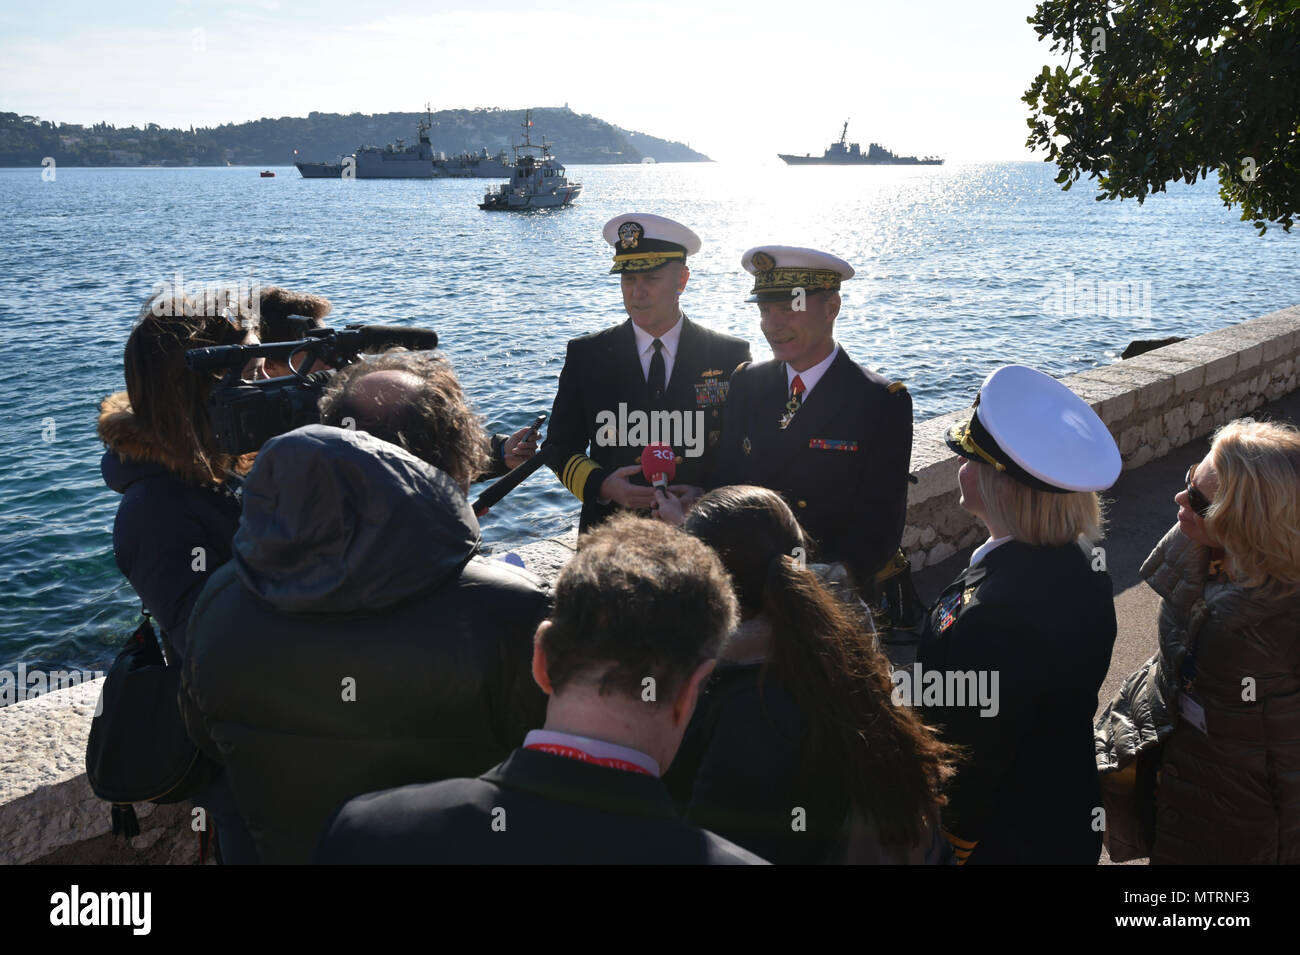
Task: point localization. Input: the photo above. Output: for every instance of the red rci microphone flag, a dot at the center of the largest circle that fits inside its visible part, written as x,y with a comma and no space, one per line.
658,464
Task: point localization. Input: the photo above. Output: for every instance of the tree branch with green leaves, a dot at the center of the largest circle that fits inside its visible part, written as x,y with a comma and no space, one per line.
1170,89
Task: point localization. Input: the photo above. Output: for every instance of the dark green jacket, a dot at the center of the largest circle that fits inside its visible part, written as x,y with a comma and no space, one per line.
355,641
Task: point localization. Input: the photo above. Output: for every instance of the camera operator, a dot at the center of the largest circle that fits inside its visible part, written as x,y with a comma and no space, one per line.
287,316
356,641
178,511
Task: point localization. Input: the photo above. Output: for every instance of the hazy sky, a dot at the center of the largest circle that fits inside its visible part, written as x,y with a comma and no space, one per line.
736,80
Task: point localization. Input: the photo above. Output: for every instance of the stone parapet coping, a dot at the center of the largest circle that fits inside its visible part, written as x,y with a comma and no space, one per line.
1152,404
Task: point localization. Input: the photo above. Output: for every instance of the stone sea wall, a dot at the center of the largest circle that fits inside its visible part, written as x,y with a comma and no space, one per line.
48,813
1152,404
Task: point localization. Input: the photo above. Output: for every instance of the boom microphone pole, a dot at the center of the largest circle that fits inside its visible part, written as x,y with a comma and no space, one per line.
500,488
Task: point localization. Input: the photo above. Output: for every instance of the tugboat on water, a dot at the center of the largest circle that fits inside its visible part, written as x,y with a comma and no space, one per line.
537,182
844,153
399,161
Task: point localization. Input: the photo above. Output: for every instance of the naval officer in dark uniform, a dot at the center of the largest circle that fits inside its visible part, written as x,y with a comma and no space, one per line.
656,377
833,438
1017,647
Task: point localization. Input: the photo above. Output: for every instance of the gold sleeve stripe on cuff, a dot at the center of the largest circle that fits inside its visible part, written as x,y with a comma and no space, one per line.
959,843
575,473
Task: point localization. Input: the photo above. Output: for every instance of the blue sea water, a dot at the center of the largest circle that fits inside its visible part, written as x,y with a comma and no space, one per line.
961,268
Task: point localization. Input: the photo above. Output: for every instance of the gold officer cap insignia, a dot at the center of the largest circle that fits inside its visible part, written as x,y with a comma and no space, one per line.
763,262
629,235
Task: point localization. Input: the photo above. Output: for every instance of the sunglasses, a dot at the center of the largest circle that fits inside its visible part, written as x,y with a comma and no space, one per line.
1200,503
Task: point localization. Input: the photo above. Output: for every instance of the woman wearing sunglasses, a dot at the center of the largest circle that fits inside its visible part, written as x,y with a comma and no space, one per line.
1223,692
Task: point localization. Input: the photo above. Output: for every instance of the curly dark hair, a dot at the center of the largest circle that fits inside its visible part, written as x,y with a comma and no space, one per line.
640,599
432,419
822,653
285,316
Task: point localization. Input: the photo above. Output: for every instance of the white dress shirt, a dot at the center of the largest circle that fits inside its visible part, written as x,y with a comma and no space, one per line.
645,348
812,375
983,550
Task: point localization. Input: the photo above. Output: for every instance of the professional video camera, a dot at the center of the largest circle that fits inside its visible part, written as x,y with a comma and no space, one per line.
245,414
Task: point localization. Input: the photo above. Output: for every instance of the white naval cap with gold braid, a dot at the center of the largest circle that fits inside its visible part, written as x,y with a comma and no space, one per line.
643,241
780,269
1039,432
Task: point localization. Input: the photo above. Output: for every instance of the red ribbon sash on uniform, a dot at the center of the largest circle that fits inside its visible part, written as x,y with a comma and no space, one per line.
572,752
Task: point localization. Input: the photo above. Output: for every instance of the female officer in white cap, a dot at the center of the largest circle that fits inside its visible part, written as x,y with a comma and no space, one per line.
1015,650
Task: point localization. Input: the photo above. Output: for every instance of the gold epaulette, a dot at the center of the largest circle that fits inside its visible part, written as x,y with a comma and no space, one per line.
896,386
741,367
575,472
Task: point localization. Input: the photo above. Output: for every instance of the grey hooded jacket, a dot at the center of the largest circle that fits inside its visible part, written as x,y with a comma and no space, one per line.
355,642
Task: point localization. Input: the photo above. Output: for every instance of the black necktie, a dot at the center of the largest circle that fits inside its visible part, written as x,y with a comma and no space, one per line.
656,380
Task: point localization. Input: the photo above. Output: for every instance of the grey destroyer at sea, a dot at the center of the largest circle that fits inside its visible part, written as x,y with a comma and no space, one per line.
842,153
419,161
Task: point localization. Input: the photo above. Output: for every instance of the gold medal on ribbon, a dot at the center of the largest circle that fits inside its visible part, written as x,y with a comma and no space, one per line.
791,406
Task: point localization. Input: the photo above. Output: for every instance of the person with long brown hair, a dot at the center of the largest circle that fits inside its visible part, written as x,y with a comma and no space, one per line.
179,511
797,751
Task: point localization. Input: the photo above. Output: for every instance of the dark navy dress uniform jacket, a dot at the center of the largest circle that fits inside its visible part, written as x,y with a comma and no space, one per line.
603,371
841,463
1044,620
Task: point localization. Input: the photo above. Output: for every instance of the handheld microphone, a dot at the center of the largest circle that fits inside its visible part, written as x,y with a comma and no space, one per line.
659,465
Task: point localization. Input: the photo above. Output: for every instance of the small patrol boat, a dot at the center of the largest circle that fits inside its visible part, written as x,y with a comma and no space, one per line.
267,174
538,180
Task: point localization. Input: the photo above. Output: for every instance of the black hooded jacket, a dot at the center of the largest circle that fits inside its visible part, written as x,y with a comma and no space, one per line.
355,642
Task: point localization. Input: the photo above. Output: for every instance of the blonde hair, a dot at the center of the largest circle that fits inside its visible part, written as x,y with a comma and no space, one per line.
1040,518
1255,515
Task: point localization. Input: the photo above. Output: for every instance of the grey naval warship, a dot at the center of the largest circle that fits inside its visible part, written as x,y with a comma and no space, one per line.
844,153
418,161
